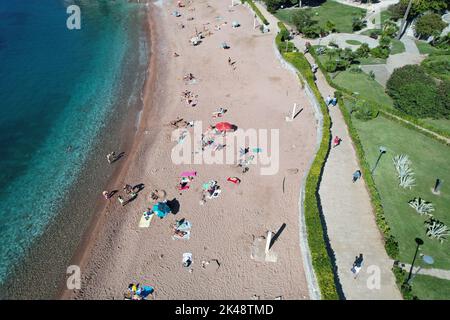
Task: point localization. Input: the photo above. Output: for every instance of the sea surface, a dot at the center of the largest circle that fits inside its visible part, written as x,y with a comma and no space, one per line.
58,88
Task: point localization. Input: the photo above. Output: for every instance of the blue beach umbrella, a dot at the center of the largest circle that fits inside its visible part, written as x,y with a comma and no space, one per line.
161,209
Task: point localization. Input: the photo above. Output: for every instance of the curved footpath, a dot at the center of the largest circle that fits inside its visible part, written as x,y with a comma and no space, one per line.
348,213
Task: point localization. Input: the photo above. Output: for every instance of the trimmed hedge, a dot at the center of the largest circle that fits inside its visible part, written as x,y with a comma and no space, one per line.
400,279
281,41
256,10
321,260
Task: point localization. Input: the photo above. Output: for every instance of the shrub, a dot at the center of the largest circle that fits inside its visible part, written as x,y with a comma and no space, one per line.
305,24
358,24
443,98
320,259
257,12
330,65
429,24
400,279
404,171
364,111
380,52
437,230
363,51
415,92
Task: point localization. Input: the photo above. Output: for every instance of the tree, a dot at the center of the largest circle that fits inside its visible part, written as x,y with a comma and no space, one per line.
305,24
363,51
331,27
421,6
358,23
390,28
429,24
416,93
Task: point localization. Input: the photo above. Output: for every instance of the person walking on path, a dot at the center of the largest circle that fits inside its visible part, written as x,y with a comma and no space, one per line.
328,100
357,265
336,141
356,175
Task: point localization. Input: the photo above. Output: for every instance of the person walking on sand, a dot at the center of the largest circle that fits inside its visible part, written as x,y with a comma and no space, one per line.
121,200
336,141
229,61
356,175
106,194
111,157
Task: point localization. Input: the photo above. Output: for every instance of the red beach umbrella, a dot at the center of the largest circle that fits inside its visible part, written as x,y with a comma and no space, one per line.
224,126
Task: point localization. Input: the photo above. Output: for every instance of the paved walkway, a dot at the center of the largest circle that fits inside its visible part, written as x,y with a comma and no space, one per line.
349,216
350,220
437,273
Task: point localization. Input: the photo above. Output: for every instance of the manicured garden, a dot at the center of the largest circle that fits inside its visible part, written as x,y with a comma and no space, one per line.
361,83
429,160
340,15
431,288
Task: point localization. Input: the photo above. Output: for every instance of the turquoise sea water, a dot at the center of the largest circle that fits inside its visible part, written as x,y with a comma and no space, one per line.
57,88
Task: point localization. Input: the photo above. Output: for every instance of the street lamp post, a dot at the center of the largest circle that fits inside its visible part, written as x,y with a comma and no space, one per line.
382,150
419,243
428,260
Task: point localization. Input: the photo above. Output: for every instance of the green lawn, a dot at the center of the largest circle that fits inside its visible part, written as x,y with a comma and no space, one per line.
341,15
431,288
372,60
425,48
353,42
369,31
397,46
429,161
385,16
442,124
360,82
438,66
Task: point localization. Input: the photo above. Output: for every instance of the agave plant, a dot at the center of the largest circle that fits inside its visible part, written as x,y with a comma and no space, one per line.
437,230
421,206
404,171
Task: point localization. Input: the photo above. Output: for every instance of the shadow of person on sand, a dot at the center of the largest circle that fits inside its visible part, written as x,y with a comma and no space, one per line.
174,205
138,188
119,156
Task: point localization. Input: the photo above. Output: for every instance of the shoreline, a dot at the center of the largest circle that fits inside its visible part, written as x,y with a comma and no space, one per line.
44,265
83,252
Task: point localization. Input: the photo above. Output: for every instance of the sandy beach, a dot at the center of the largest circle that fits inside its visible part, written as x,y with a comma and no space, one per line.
258,93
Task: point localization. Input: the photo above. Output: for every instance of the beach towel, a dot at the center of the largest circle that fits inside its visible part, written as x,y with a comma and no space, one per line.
185,237
145,220
188,173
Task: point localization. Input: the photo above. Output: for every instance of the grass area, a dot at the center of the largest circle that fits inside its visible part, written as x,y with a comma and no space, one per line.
367,88
431,288
385,16
372,60
441,124
429,161
368,32
341,15
438,66
426,48
353,42
397,46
